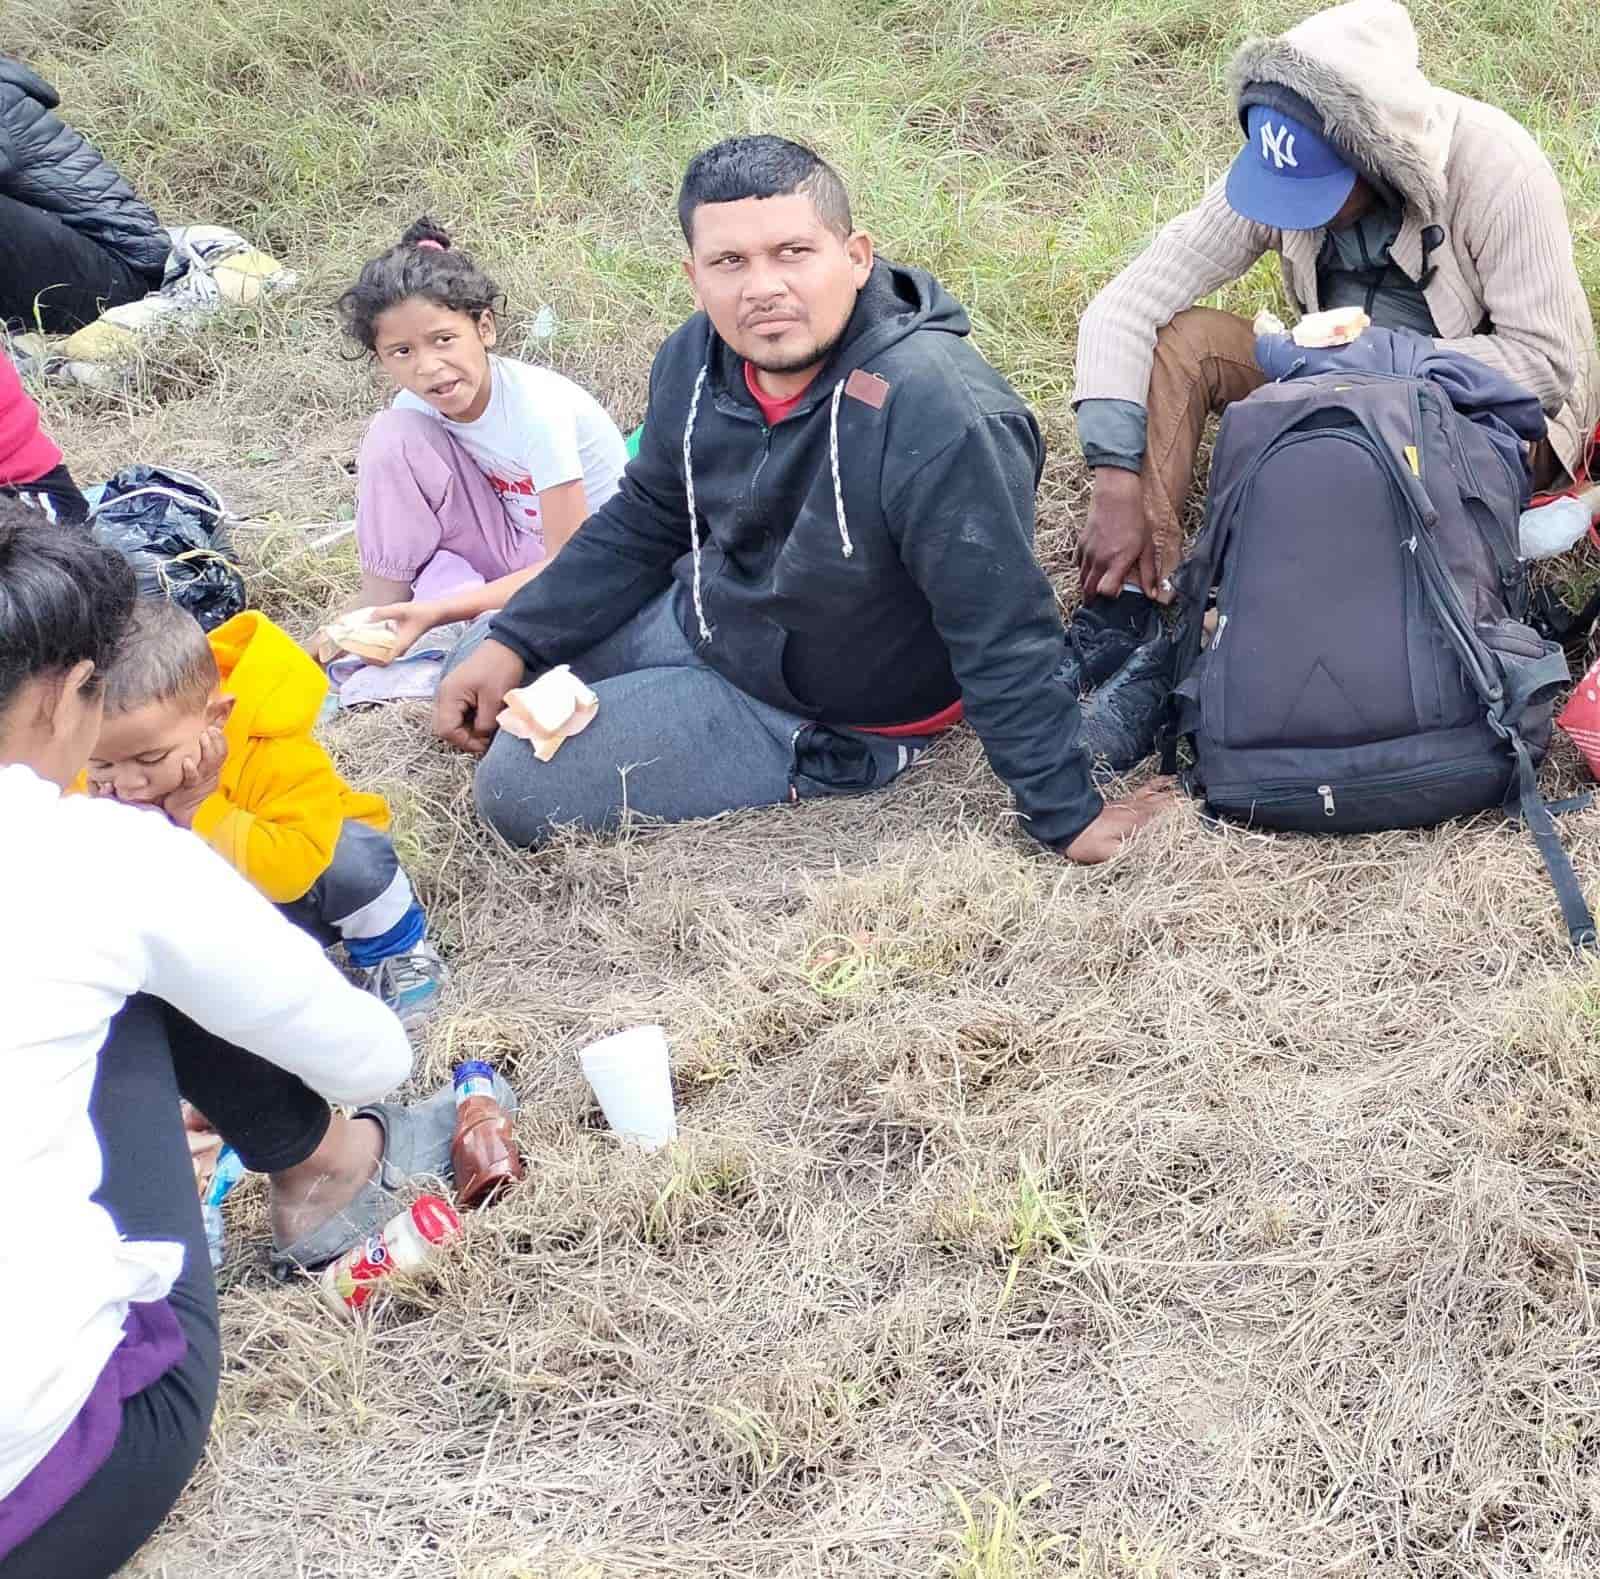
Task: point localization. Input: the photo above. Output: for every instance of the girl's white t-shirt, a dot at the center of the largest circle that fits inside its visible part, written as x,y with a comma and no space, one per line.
540,430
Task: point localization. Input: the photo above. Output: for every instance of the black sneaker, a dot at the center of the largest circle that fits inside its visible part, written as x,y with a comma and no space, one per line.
1121,719
1103,635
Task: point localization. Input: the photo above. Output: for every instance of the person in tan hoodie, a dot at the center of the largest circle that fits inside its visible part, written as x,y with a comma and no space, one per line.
1434,212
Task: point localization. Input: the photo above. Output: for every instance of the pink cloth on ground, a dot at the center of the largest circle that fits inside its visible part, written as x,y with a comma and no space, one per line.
427,515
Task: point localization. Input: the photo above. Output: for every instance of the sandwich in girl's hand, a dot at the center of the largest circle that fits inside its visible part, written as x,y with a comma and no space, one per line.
358,632
555,707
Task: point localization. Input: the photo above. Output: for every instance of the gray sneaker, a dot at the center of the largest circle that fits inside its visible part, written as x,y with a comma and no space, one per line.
409,983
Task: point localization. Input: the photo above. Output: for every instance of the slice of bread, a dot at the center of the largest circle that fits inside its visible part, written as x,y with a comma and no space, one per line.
557,706
1337,326
357,632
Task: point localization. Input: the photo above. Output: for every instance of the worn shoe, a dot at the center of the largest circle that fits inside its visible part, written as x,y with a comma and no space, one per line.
409,983
1103,634
416,1143
1121,719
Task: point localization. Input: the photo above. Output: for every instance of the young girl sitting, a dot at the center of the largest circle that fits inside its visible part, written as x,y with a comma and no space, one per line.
483,466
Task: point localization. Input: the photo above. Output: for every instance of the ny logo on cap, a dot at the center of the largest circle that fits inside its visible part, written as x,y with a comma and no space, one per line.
1277,144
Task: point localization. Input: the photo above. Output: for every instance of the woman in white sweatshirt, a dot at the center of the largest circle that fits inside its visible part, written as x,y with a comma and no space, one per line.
136,966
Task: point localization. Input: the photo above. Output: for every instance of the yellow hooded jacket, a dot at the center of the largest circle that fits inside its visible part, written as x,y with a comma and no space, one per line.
278,808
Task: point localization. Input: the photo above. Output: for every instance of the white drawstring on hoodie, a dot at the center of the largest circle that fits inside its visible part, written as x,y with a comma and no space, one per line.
688,487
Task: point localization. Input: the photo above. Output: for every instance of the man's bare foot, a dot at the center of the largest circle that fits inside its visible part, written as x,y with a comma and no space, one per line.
307,1195
1120,820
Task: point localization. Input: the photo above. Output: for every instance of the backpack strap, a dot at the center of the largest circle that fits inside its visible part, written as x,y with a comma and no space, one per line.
1504,693
1557,863
1180,707
1570,803
1525,680
1193,582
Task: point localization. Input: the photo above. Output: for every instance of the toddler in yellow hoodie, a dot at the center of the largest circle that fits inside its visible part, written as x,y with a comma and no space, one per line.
215,733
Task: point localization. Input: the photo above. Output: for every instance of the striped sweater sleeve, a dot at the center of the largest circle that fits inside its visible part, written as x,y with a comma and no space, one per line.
1191,256
1531,291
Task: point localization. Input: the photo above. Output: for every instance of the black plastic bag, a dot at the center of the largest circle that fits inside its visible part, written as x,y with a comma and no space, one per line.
168,525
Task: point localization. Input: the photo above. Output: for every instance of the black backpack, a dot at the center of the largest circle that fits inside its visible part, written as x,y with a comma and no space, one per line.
1369,665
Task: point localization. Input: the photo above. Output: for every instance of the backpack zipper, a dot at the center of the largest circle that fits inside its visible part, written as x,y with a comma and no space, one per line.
1454,619
1286,794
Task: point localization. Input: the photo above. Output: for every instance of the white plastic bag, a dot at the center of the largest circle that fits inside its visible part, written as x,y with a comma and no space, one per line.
1552,528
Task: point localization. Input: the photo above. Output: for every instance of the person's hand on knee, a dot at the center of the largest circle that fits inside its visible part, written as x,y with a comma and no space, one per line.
467,707
1117,545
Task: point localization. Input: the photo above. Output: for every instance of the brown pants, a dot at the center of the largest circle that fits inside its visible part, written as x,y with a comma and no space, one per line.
1205,360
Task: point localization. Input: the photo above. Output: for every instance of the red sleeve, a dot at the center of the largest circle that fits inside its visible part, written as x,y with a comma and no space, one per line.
26,453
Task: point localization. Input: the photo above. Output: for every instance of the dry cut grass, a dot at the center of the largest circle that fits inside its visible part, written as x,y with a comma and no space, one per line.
1229,1210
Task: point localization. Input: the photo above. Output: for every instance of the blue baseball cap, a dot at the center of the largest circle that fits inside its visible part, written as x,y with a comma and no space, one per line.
1287,175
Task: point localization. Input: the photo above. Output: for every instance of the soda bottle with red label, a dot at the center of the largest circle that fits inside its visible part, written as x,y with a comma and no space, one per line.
405,1243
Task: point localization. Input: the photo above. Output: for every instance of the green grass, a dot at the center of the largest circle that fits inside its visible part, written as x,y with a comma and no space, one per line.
1018,150
993,1540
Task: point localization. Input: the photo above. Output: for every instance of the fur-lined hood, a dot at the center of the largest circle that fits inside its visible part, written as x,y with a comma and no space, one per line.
1358,65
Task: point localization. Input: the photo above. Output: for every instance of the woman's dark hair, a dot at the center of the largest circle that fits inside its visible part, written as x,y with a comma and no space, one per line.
422,263
63,598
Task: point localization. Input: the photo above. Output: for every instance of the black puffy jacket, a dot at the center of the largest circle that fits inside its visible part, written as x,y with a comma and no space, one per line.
43,162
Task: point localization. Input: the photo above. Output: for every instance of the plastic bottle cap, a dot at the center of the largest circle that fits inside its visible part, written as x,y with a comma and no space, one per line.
473,1079
435,1218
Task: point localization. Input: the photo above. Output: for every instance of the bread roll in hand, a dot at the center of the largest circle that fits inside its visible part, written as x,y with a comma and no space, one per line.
557,706
359,633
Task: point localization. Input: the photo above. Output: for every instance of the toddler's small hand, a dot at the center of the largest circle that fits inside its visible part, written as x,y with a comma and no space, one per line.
200,779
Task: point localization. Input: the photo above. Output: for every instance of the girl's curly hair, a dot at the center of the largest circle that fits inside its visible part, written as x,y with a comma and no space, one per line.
422,263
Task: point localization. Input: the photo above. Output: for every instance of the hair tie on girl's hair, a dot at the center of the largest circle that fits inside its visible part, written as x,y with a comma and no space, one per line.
428,241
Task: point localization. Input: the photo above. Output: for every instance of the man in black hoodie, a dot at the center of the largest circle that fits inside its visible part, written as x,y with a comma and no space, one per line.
74,239
820,560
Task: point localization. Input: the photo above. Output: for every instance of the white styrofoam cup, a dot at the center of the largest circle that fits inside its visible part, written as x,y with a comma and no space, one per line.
630,1076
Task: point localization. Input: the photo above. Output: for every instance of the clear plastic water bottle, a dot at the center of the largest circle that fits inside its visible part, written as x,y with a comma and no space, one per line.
228,1173
406,1243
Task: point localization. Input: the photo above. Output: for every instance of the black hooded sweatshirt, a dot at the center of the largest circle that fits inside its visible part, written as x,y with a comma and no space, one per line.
866,562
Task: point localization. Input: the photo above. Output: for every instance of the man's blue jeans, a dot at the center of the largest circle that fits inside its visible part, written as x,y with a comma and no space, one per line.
672,740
